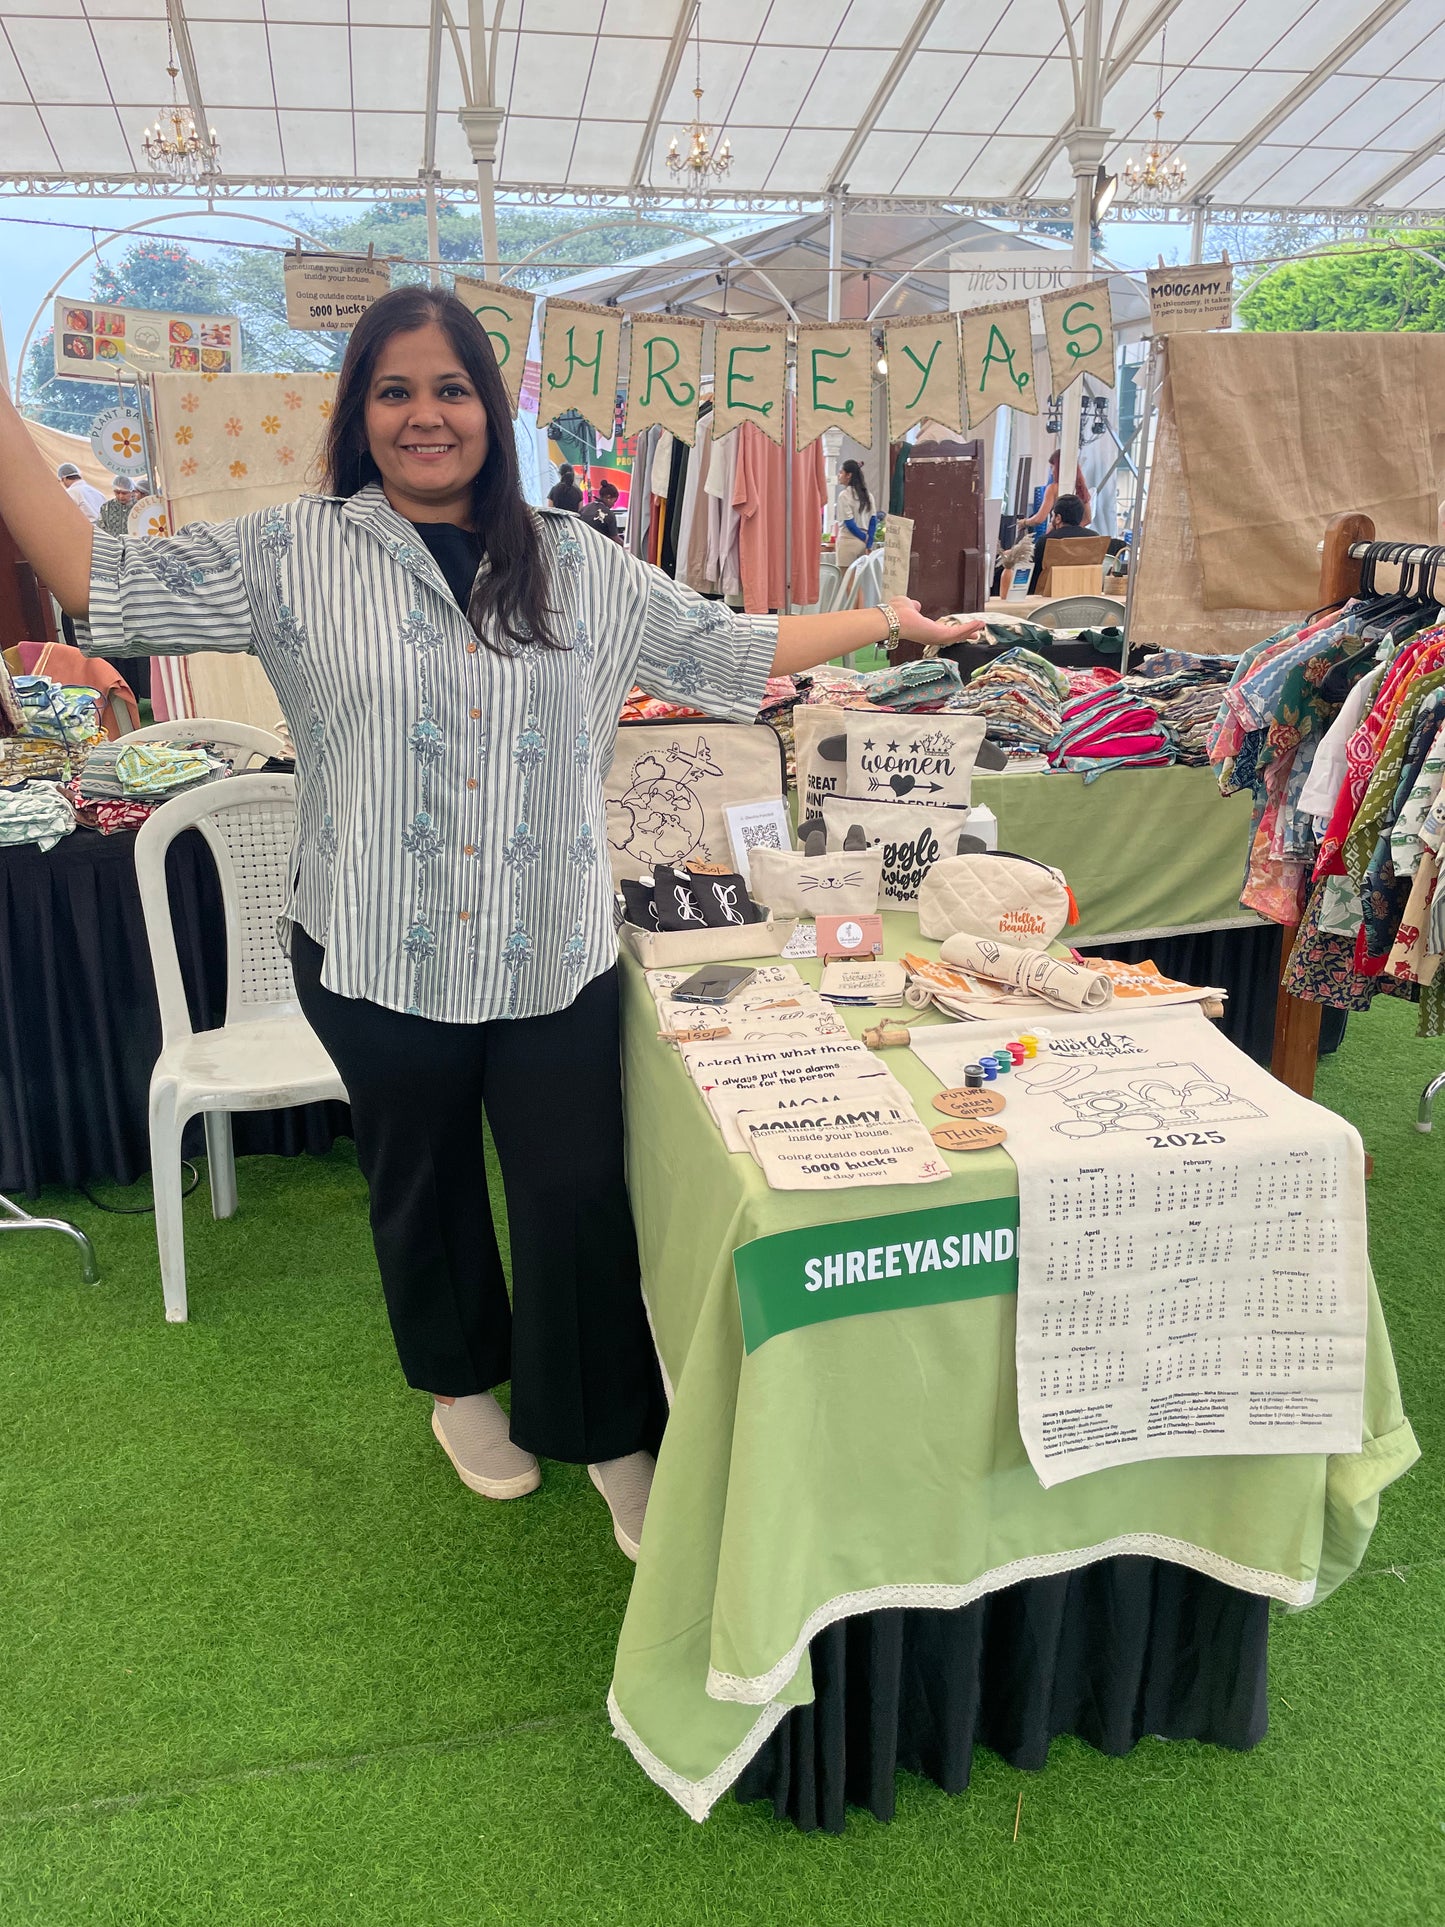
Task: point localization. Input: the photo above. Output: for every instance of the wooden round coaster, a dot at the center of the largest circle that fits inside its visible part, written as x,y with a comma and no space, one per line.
968,1134
961,1102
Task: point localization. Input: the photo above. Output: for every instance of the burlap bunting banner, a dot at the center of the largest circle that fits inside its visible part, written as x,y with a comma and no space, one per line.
506,314
924,380
1079,325
580,349
664,374
750,380
998,360
835,381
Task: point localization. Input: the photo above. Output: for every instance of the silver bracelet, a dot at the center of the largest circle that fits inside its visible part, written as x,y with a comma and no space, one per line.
895,634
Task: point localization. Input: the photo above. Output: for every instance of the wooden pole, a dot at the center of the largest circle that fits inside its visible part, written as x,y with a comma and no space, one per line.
1296,1023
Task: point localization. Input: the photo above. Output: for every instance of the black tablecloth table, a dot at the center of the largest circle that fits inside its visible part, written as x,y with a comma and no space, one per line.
79,1024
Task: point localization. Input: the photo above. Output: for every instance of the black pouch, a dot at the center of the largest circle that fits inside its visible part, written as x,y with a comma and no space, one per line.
724,901
676,897
639,902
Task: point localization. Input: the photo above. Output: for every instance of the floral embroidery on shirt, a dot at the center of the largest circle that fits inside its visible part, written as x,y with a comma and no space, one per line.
582,642
521,848
687,674
582,853
420,942
276,537
326,839
420,633
421,838
574,951
179,576
425,741
710,617
290,633
582,747
517,950
531,747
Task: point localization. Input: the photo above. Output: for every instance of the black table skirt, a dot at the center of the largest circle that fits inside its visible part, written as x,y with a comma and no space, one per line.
79,1025
1117,1651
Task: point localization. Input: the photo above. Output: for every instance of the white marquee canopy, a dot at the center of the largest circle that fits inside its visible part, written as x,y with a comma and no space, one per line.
1325,105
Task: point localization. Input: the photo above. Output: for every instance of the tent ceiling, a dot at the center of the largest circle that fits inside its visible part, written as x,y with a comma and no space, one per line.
1324,104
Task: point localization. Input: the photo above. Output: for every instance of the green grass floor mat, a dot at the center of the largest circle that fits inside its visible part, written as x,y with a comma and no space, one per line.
265,1663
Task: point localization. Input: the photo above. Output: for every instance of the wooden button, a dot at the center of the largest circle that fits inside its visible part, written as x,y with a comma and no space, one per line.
464,916
469,849
474,714
471,648
471,782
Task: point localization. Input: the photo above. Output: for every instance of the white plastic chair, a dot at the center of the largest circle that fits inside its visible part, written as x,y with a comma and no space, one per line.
265,1056
247,743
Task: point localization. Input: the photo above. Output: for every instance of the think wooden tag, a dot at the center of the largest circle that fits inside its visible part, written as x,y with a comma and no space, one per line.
968,1134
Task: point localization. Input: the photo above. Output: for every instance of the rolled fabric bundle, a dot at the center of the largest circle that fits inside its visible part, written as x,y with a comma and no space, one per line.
1069,985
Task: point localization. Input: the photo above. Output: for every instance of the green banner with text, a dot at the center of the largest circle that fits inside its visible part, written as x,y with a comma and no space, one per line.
824,1271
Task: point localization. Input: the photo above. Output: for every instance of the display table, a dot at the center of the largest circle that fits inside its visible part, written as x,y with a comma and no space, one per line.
873,1463
78,1014
1155,859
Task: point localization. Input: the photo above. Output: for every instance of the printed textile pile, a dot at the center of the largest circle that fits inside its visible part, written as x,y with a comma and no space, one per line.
1337,727
35,812
119,786
1020,698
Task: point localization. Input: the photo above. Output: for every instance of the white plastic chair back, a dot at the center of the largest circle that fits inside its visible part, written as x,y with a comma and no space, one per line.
242,741
250,824
862,584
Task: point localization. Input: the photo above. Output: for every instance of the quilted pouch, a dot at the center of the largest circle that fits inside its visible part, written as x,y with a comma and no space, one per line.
995,894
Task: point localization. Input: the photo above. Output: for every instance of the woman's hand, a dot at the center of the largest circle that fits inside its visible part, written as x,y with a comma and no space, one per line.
913,626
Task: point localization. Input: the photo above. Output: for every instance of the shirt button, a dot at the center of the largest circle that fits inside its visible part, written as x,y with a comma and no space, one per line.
469,849
475,713
471,648
471,782
464,916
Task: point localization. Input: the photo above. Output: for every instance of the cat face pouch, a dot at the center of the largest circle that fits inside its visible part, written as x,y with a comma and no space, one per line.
909,838
795,885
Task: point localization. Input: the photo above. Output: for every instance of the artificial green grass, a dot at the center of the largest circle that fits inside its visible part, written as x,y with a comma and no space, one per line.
267,1664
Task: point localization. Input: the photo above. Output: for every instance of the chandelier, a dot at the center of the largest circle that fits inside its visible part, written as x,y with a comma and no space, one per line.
175,145
696,158
1157,176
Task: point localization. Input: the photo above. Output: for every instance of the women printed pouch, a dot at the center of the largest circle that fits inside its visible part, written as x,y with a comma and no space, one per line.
910,836
795,885
1011,899
911,759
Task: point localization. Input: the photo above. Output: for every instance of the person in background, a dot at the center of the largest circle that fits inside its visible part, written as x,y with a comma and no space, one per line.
566,494
599,511
80,491
1068,519
115,515
1044,512
857,523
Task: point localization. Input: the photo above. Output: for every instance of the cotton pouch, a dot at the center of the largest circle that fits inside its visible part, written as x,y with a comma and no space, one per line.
910,837
1012,899
912,759
795,885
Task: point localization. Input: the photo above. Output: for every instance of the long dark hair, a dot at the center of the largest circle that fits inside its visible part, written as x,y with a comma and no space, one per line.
853,473
509,598
566,494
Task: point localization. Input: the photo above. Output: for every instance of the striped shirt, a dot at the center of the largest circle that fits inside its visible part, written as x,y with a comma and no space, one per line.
451,852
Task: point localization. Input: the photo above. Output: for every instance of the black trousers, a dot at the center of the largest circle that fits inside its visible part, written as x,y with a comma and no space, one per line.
575,1342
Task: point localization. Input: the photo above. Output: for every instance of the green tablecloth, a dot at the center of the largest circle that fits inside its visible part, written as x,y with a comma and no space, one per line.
1148,852
875,1461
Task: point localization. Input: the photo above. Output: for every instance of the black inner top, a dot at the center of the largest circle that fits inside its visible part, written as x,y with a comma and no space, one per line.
457,553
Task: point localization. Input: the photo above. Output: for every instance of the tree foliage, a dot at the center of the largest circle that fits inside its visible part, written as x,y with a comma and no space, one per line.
1359,289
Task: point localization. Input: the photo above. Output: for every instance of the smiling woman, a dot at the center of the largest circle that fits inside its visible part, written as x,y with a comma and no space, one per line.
452,665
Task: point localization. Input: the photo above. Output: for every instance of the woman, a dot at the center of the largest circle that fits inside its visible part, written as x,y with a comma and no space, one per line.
1044,513
566,494
451,666
857,525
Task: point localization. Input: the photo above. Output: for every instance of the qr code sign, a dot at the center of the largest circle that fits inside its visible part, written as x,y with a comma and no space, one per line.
762,836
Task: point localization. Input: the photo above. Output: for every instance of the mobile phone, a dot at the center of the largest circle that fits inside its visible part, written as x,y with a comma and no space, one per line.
713,984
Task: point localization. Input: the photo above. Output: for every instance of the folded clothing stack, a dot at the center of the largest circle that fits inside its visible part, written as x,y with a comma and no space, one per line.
119,786
1184,691
1021,699
53,712
35,813
1111,729
926,683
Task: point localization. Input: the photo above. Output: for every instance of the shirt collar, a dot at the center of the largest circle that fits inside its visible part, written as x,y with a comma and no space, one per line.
369,509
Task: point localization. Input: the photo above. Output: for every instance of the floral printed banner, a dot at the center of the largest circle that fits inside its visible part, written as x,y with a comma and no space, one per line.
246,431
1079,324
506,314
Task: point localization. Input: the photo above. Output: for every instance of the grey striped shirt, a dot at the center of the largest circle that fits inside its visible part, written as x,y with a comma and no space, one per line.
451,853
